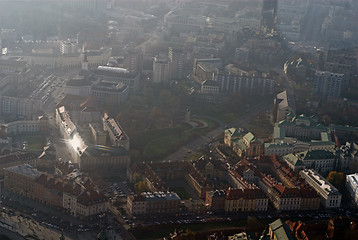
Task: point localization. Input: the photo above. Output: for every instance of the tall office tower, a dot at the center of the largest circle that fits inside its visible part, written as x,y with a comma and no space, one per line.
161,69
328,84
268,16
133,60
176,63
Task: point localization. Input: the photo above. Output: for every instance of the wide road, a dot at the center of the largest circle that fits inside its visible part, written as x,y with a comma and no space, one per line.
180,154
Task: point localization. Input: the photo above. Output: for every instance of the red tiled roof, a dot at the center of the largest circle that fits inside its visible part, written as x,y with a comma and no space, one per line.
232,194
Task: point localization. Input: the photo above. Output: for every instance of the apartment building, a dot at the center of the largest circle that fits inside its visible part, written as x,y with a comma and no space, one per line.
328,84
153,203
330,197
245,200
352,186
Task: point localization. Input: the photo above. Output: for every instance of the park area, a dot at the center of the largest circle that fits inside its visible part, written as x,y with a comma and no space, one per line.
158,143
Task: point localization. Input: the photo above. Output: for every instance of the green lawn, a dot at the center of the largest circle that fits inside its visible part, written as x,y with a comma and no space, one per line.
164,145
217,112
154,134
36,142
162,142
184,195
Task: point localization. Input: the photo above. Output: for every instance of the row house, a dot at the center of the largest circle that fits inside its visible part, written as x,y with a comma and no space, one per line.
78,196
153,203
245,200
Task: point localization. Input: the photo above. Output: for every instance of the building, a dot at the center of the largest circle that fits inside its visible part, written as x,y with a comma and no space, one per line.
109,92
309,199
130,76
246,84
247,146
330,197
158,174
230,135
15,159
322,161
99,136
301,127
294,162
83,110
346,154
284,103
204,68
116,134
344,133
5,143
343,61
12,65
26,127
153,203
283,146
19,107
78,195
90,157
328,84
181,22
215,200
133,61
176,63
105,91
245,200
69,46
242,54
279,230
239,236
20,180
161,69
70,60
84,202
352,186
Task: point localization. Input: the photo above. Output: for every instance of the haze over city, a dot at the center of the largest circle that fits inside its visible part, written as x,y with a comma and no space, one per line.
178,119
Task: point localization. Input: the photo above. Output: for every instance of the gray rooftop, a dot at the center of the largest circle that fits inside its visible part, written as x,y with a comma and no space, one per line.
24,169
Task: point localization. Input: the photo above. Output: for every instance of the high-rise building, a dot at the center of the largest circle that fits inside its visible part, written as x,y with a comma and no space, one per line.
268,15
161,69
133,61
176,63
328,84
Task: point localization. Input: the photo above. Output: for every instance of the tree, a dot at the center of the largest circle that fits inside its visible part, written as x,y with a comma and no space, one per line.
140,186
136,177
189,234
337,179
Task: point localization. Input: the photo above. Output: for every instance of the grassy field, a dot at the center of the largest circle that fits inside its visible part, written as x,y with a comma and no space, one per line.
261,126
182,193
161,142
216,112
35,142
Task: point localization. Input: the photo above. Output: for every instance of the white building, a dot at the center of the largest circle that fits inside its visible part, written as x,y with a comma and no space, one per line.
23,127
70,60
284,103
330,197
116,134
352,186
116,74
160,69
286,146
